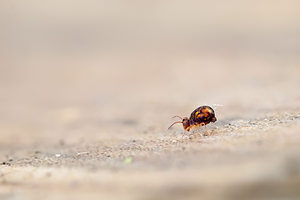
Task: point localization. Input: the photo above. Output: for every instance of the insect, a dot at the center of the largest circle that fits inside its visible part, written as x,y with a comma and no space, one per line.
199,117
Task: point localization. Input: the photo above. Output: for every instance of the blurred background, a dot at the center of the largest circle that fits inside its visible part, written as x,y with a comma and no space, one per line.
90,71
110,62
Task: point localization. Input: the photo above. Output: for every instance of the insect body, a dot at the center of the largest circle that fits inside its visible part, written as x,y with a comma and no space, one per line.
199,117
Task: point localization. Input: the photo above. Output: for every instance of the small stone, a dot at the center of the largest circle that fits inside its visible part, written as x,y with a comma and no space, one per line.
191,136
128,160
82,153
57,155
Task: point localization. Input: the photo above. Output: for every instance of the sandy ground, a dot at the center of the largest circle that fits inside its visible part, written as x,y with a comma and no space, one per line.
122,150
92,123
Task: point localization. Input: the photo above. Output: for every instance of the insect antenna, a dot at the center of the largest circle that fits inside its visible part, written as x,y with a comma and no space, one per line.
173,124
178,117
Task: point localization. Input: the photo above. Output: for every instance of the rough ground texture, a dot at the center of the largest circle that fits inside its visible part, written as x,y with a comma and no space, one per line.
84,115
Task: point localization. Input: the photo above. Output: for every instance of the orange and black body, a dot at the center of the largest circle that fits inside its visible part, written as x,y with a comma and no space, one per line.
199,117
